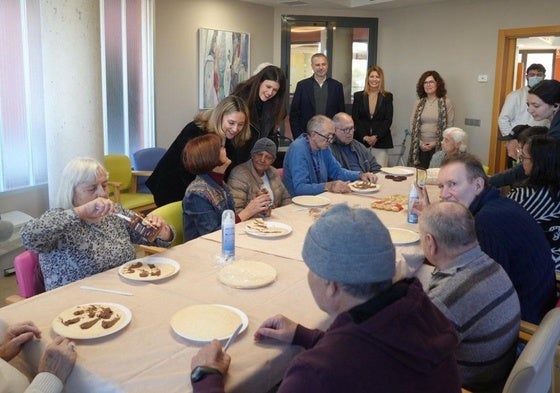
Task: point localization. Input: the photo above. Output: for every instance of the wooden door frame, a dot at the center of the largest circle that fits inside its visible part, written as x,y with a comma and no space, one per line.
505,67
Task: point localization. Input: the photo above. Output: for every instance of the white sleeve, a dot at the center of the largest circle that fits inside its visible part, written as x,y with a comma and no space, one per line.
508,113
45,383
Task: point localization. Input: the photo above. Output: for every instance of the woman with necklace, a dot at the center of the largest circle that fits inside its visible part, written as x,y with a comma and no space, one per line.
433,112
372,112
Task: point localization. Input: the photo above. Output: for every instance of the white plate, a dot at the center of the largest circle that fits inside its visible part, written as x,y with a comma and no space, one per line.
398,171
167,268
74,331
205,322
403,236
247,275
354,188
284,229
311,201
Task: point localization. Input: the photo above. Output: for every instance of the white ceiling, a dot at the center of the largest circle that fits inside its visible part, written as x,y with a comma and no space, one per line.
343,4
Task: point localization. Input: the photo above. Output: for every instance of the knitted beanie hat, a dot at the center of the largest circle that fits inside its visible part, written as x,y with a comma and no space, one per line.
264,144
349,246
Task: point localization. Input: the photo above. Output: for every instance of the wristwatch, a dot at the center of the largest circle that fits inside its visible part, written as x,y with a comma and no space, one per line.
200,372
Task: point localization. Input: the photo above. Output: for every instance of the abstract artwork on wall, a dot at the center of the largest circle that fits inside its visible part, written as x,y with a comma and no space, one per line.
223,62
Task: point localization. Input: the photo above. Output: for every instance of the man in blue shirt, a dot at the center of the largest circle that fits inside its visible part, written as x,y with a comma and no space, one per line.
310,167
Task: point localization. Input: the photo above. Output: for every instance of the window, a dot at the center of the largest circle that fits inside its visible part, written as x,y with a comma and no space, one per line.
23,160
128,108
126,28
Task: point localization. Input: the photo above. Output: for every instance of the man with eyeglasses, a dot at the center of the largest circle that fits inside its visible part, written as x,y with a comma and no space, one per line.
514,111
505,231
349,152
310,167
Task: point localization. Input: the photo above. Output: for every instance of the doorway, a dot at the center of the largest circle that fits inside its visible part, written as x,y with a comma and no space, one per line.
349,43
506,69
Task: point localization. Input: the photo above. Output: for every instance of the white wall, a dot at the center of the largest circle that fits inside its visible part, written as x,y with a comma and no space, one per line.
176,52
458,38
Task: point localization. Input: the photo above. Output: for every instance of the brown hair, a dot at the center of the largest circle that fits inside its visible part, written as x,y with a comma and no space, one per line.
202,154
441,91
379,70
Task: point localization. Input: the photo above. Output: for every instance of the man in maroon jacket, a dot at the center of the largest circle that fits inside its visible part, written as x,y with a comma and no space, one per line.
385,337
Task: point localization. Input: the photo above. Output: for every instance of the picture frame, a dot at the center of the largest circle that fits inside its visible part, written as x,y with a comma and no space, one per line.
223,59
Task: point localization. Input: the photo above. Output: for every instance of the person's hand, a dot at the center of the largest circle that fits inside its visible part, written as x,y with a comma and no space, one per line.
166,233
259,204
94,211
427,146
59,358
211,355
278,327
369,177
371,140
16,336
338,186
423,200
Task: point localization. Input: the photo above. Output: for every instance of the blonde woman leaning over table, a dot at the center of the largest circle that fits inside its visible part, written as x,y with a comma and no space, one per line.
372,112
454,141
433,112
82,236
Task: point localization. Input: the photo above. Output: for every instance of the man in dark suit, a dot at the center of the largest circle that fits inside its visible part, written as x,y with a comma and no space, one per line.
317,95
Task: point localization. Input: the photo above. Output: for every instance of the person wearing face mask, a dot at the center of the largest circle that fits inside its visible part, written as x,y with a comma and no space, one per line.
514,111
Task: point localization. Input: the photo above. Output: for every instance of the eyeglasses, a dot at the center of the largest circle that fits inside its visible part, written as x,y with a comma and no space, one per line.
540,74
430,82
346,130
523,157
329,138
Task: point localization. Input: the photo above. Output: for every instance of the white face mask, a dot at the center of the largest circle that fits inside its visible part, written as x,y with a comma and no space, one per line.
533,80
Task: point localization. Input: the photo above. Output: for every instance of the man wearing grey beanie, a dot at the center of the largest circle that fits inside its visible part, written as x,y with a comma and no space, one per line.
385,337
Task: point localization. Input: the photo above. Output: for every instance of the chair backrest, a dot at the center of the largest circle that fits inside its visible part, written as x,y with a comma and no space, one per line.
28,274
532,371
120,169
147,159
172,213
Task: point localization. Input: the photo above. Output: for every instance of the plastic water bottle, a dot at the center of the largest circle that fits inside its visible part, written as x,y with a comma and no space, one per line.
412,197
228,235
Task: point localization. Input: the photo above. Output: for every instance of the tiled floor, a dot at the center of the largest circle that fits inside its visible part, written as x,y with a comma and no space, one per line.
8,286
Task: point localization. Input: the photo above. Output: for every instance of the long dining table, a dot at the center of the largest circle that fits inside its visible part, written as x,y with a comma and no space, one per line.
148,356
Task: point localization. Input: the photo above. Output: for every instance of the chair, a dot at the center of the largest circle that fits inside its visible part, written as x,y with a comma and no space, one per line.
28,276
172,213
122,180
146,160
532,371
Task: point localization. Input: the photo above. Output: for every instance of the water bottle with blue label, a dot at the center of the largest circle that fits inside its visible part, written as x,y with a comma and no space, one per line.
228,235
411,217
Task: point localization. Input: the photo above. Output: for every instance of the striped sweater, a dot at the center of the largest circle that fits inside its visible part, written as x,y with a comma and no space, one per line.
539,203
477,296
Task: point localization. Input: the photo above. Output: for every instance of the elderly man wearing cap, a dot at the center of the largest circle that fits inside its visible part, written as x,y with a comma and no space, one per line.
385,337
474,293
249,179
310,167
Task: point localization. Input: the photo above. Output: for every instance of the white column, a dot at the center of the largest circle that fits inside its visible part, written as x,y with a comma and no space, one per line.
72,83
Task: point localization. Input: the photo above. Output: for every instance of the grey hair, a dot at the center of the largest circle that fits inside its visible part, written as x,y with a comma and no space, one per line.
317,122
450,223
459,136
77,171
